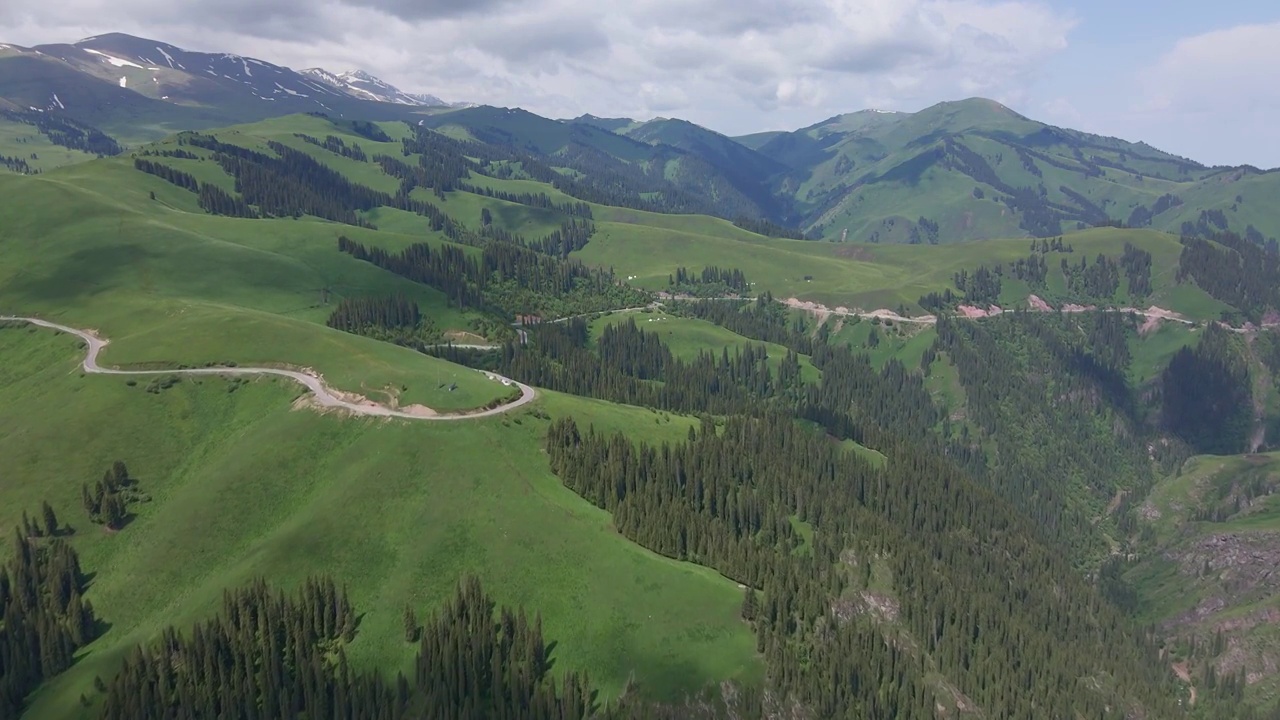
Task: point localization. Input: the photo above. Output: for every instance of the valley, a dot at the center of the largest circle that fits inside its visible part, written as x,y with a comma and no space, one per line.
948,414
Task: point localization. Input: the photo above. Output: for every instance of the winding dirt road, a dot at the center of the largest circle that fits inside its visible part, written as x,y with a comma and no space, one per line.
971,313
324,396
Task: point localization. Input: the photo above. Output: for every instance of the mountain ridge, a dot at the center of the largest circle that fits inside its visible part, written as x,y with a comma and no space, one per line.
200,89
364,85
960,170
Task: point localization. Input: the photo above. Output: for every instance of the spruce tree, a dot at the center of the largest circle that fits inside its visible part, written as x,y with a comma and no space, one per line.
749,603
50,520
114,512
411,628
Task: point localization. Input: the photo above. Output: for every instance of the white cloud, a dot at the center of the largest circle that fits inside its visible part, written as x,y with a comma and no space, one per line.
736,65
1224,67
1212,97
1061,112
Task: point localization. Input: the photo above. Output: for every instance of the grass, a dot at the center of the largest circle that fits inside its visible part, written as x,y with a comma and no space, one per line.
398,511
22,141
1151,353
687,337
533,223
696,224
170,287
905,342
1234,592
1178,496
869,276
243,486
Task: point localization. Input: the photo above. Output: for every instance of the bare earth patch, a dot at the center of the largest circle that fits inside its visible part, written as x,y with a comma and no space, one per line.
1038,304
1073,308
462,336
974,312
1184,674
1160,312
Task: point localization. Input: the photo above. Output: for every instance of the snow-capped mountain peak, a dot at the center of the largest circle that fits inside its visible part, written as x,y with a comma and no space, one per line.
165,72
361,84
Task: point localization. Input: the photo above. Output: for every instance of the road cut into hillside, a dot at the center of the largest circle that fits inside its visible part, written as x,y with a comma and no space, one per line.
324,396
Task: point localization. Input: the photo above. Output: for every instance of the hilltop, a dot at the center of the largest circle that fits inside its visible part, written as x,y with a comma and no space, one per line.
976,169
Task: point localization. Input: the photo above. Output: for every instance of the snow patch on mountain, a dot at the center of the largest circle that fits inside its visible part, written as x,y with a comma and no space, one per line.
360,84
118,62
169,58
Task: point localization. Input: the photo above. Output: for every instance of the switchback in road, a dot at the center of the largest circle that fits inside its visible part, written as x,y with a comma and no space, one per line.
325,397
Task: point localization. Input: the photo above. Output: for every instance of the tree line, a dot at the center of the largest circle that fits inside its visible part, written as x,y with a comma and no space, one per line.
46,617
710,282
727,498
538,200
505,279
269,654
336,145
395,318
1142,215
1100,280
557,356
16,164
1207,395
210,197
761,319
62,130
1232,269
1035,393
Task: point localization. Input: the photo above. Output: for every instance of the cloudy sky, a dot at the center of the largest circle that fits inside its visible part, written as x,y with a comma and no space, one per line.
1187,76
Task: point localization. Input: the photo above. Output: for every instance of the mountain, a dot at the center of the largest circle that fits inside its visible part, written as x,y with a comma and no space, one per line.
957,171
679,166
755,141
360,84
750,172
617,125
976,169
141,89
162,71
965,170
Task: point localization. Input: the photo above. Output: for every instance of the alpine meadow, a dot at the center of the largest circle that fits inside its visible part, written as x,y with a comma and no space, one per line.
320,398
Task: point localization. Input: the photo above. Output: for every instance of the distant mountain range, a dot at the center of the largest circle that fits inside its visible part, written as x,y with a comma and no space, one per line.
107,79
964,170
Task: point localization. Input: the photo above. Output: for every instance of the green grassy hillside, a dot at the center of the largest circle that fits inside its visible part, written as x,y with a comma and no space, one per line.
880,276
688,337
26,143
244,481
171,287
979,170
1206,573
242,485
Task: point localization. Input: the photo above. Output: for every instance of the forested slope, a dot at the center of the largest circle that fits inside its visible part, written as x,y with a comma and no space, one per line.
746,508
